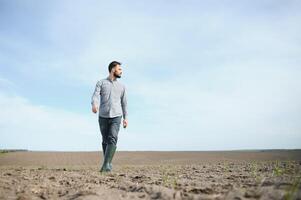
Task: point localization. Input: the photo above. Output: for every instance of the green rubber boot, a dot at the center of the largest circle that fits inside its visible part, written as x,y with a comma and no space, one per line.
110,161
109,153
104,146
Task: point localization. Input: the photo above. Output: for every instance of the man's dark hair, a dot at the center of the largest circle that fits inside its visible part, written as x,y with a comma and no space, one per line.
113,64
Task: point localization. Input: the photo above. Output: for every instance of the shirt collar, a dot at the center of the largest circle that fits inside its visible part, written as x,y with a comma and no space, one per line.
108,78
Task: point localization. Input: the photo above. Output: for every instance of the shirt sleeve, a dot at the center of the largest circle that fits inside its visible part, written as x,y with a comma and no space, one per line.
96,94
124,104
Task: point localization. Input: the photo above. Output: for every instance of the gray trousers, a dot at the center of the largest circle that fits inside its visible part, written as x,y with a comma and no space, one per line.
109,128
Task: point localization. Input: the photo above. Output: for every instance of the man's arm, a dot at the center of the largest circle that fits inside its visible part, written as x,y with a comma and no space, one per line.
95,97
124,108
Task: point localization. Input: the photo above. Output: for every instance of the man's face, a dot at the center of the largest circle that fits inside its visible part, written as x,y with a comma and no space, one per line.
117,71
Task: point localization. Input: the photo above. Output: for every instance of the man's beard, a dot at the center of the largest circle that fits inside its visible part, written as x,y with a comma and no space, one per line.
117,76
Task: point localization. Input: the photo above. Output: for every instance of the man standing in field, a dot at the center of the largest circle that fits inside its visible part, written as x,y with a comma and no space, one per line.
109,98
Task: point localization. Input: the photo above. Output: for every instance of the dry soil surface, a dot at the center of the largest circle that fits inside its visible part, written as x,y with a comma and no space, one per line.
273,174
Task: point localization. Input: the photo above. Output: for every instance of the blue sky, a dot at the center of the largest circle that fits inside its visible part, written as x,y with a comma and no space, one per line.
200,75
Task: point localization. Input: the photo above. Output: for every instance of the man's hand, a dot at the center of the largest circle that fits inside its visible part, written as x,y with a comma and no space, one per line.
125,123
94,109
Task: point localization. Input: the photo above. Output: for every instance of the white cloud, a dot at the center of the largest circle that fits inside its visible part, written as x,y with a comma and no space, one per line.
38,127
230,106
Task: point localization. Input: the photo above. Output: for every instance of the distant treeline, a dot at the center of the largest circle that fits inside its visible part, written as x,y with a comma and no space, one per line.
11,150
